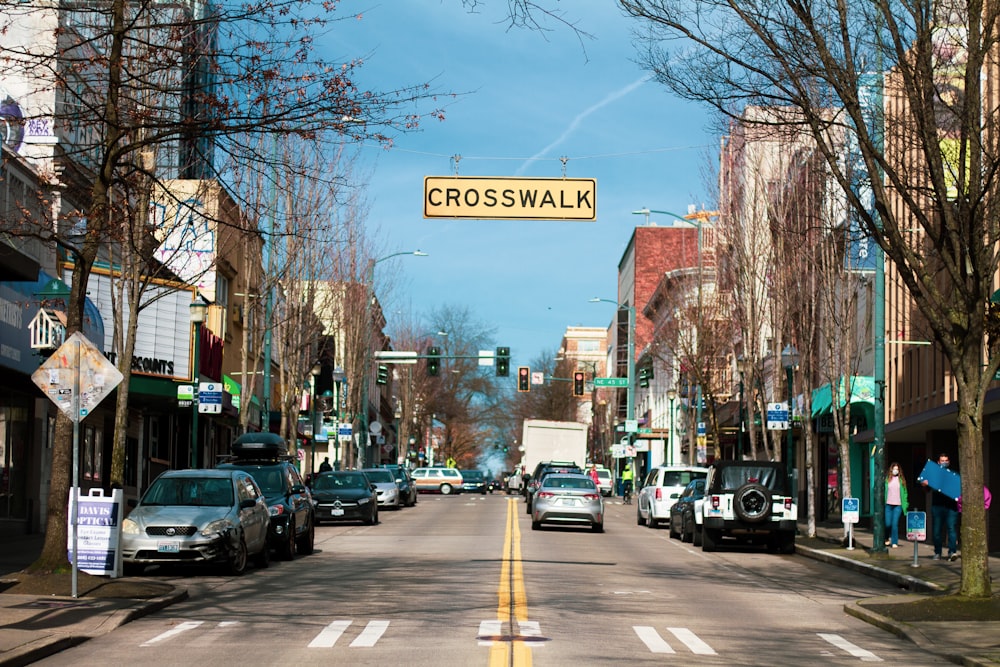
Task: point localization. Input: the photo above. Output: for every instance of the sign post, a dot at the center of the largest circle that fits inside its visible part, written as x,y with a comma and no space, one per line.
916,531
850,510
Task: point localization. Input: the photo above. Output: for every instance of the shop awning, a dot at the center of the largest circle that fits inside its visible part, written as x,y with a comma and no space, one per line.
862,394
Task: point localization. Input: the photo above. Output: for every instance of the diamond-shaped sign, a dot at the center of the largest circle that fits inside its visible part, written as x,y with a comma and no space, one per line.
98,377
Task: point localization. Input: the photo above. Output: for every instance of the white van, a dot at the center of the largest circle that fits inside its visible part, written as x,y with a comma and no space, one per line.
660,490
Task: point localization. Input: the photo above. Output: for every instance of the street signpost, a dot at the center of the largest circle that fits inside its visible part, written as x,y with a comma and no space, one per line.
916,531
210,398
777,416
610,382
510,198
850,512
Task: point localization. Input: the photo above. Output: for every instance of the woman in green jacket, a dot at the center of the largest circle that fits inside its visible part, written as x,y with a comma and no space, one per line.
896,502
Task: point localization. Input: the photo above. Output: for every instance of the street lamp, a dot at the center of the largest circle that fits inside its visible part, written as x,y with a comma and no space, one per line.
315,371
790,360
741,366
630,368
198,311
338,378
671,396
369,297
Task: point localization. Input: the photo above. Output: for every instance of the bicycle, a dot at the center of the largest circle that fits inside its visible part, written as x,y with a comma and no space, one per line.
627,493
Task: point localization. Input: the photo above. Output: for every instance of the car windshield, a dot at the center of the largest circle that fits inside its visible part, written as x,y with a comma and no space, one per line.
604,474
192,491
473,476
553,482
681,477
380,476
339,482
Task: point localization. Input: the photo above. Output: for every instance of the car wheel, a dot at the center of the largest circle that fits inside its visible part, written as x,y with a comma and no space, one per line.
527,506
598,527
446,489
752,503
710,539
638,517
238,559
536,525
307,542
263,559
287,550
673,528
652,522
696,533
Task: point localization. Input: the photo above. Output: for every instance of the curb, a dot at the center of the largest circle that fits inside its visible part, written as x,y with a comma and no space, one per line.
29,653
902,580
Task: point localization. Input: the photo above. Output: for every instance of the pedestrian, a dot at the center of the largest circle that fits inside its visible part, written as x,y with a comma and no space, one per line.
325,465
944,512
593,474
896,503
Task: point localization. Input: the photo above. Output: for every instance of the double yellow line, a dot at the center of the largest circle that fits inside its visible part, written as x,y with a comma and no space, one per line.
512,603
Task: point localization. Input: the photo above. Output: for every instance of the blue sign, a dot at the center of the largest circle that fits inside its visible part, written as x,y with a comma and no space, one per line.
916,526
850,510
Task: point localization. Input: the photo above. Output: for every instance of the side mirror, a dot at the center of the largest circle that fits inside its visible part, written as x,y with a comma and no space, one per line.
247,503
298,488
373,487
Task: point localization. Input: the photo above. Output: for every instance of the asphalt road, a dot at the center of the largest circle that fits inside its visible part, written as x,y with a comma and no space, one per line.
464,580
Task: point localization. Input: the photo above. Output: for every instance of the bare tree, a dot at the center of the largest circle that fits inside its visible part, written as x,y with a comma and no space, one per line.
932,144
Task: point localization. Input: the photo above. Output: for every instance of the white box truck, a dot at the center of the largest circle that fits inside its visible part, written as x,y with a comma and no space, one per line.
552,441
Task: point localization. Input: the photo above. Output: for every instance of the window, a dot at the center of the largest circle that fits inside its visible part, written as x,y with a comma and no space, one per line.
588,346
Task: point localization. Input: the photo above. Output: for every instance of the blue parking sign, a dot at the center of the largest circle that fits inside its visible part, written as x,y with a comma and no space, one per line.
916,526
850,510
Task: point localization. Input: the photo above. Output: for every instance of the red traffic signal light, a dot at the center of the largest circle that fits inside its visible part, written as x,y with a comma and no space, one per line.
579,382
523,378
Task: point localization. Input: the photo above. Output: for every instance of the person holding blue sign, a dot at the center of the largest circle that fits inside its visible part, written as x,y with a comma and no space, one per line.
944,511
896,503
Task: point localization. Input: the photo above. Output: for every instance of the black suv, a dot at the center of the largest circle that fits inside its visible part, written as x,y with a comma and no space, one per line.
265,456
541,470
750,501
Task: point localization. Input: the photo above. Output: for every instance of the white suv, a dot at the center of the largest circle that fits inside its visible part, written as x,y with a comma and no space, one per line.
750,501
660,490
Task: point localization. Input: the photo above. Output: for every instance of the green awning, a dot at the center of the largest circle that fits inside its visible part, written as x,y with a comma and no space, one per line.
862,395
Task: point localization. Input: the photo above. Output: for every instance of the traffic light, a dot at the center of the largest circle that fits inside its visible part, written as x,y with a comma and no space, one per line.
503,362
523,378
434,361
645,375
578,383
382,376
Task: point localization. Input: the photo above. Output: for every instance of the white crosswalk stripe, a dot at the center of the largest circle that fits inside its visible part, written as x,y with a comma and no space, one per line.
652,639
848,647
489,629
657,644
367,638
329,635
692,641
371,634
173,632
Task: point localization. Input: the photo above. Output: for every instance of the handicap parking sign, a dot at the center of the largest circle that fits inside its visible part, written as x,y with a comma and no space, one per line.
850,510
916,526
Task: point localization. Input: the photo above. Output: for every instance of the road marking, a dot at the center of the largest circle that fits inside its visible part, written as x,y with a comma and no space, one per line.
489,629
329,635
173,632
652,639
512,603
692,641
848,647
371,634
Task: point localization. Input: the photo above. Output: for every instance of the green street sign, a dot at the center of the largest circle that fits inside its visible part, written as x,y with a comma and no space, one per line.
610,382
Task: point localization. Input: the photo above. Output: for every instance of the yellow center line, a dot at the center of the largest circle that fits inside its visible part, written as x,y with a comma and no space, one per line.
512,603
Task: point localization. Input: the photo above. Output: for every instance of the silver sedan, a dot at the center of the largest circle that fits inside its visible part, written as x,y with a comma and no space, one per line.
568,499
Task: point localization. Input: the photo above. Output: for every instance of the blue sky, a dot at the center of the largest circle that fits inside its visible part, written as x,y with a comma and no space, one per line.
532,98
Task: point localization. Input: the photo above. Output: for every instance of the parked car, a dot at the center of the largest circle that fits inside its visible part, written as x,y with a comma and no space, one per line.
265,456
473,481
197,517
568,499
541,470
386,487
514,481
660,490
683,511
438,480
407,487
344,495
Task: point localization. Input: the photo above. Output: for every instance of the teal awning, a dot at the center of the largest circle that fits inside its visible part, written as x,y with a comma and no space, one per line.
862,394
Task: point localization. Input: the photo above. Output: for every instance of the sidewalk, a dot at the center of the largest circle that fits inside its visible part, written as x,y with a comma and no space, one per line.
34,627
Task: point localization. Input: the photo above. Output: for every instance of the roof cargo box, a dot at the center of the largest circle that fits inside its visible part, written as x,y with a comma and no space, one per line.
260,446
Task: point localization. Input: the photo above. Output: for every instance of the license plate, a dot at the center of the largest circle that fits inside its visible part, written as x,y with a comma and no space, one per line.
568,501
168,547
336,512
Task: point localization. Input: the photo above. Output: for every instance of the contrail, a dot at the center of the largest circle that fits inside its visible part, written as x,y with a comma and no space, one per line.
618,94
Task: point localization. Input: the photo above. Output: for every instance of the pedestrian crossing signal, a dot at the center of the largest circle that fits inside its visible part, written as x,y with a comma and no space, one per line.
523,378
578,383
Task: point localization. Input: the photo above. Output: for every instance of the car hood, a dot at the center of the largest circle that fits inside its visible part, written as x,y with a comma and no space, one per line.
342,494
385,486
179,515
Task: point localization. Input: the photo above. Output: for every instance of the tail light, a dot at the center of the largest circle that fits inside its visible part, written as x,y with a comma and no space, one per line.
715,502
545,494
659,493
591,496
788,504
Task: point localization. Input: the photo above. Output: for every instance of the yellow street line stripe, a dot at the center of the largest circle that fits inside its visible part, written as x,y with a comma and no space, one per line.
512,603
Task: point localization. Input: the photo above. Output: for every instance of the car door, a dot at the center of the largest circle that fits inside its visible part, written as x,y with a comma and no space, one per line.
255,519
645,493
300,500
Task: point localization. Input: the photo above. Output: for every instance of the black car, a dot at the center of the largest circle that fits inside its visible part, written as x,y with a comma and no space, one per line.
682,511
345,495
407,489
473,481
265,457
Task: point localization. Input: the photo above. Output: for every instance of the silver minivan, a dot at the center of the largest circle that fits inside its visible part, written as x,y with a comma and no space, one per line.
661,489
